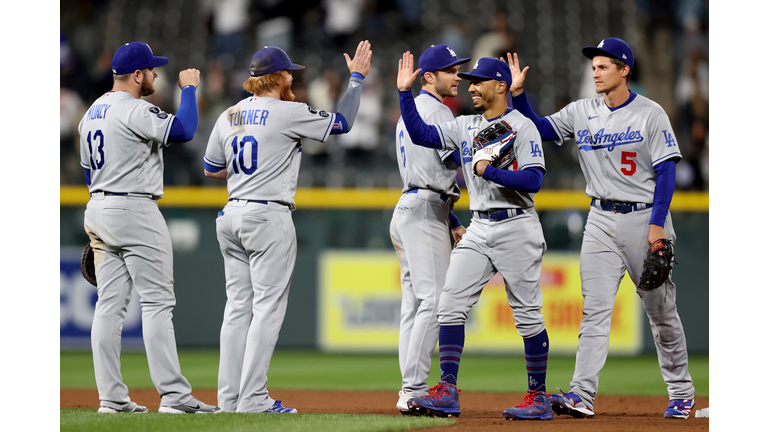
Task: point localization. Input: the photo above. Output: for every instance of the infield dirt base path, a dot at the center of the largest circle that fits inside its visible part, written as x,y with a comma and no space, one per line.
479,411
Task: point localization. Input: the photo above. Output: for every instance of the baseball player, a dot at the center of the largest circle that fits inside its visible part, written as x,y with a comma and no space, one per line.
628,151
421,222
255,146
504,235
121,150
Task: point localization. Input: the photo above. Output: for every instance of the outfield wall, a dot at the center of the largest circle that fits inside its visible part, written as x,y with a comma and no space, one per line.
340,221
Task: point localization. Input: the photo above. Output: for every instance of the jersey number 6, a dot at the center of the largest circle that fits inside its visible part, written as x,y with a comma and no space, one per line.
242,148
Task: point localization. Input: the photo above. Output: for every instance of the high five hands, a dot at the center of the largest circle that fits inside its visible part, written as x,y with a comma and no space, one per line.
362,61
405,73
518,77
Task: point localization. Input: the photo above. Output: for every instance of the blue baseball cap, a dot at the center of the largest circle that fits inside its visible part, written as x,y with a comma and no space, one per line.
490,69
612,47
439,57
271,59
135,56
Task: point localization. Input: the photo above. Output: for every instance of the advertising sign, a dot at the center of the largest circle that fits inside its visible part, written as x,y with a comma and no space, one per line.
78,299
359,307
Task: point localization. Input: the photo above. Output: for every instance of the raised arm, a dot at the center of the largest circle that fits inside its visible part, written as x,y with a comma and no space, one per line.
520,101
421,133
185,122
359,66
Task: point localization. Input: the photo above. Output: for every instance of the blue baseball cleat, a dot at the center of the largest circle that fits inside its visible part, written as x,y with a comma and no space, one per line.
278,407
571,404
679,408
442,401
535,406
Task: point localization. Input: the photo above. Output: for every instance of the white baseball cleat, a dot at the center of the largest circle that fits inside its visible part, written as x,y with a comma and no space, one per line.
192,406
402,402
128,407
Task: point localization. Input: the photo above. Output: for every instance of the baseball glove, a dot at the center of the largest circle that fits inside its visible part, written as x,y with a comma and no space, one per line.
658,264
501,138
87,265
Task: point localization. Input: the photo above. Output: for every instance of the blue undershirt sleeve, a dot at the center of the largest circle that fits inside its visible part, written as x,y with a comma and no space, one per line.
662,194
545,128
421,133
340,126
527,180
211,168
185,123
87,176
455,222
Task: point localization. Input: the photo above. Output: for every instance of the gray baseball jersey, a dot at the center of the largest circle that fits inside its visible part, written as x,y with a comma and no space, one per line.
512,246
420,233
121,140
258,142
483,194
618,149
617,152
422,167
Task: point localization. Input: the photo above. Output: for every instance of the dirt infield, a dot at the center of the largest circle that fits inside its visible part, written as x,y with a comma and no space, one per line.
479,411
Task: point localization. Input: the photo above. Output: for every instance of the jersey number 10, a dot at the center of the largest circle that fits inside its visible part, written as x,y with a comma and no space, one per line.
247,145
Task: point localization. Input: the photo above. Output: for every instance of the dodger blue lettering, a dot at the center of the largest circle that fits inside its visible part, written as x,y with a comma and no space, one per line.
602,140
466,153
669,139
97,112
535,150
249,117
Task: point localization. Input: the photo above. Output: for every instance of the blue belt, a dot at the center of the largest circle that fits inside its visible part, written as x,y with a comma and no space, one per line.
443,197
290,206
497,215
619,207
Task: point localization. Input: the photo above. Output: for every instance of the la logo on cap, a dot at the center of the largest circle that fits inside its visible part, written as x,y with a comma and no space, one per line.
601,43
476,63
453,54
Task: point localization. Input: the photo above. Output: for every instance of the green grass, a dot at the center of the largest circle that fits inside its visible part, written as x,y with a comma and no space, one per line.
314,370
87,420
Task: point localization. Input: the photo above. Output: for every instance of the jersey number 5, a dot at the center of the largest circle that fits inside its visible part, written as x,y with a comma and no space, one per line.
247,145
97,136
626,160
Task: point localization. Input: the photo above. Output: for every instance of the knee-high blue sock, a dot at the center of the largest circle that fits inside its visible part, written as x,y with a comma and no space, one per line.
536,351
451,346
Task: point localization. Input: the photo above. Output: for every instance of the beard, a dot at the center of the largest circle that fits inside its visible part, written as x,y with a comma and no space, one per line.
443,90
146,88
286,94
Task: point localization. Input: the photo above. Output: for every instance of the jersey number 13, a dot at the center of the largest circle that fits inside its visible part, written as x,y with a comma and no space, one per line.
248,145
98,142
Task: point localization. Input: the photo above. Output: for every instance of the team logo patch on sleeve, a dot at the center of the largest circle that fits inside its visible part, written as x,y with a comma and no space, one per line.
311,110
162,115
154,110
323,114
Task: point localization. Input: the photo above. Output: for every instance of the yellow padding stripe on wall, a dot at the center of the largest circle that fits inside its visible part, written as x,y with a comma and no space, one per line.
321,198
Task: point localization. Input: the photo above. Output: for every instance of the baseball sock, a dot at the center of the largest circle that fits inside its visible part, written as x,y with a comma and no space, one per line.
536,350
451,346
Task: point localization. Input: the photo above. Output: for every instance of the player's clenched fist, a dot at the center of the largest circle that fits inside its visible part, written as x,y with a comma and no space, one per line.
189,77
405,73
362,61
